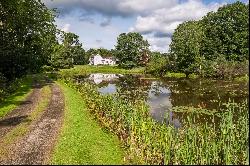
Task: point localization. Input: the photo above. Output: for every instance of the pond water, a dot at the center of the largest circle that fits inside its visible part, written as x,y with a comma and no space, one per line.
164,94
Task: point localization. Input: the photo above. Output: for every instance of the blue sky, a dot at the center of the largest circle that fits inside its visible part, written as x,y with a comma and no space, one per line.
99,22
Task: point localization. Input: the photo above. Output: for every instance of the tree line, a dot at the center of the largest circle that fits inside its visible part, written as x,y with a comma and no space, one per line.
215,46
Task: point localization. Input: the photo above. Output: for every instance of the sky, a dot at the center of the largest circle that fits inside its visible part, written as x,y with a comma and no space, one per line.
98,23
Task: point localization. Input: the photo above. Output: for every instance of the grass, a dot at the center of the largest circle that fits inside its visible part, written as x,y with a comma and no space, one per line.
23,128
82,140
79,69
174,75
12,101
242,78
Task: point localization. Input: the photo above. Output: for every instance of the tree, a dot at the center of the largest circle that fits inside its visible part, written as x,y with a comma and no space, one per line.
27,33
130,48
104,52
157,64
68,53
79,55
226,33
186,46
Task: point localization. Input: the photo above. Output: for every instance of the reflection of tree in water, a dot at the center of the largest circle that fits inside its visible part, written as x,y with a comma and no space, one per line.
202,93
157,88
132,87
80,78
105,83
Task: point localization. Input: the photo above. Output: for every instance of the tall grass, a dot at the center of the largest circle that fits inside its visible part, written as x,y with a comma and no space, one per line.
149,142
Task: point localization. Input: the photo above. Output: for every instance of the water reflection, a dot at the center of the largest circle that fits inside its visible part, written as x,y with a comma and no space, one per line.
99,77
162,95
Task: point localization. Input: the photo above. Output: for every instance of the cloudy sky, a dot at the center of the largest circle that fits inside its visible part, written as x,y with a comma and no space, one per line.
99,22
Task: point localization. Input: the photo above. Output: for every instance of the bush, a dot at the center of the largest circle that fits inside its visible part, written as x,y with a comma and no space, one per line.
242,78
175,75
3,82
157,66
193,76
231,69
127,65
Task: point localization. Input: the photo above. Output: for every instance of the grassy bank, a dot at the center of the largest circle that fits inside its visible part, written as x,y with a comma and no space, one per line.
148,142
82,141
13,100
81,69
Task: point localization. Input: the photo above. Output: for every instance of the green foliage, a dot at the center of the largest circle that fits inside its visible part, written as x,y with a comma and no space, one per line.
157,63
13,93
130,49
226,33
61,57
215,46
193,76
186,45
175,75
27,34
90,53
68,53
242,78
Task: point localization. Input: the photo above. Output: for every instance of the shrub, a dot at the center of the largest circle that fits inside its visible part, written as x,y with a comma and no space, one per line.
157,66
175,75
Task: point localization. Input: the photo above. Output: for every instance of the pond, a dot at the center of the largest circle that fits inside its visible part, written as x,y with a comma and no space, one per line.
164,94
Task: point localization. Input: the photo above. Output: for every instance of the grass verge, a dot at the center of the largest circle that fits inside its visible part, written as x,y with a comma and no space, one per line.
23,128
12,101
82,140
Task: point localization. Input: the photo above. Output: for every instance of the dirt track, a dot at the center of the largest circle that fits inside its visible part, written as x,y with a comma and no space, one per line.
34,147
20,114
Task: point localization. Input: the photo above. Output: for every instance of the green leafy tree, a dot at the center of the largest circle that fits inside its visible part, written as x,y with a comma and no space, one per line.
91,52
186,47
27,32
157,64
130,48
104,52
79,55
68,53
226,33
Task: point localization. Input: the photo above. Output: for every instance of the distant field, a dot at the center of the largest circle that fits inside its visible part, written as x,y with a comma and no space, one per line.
103,69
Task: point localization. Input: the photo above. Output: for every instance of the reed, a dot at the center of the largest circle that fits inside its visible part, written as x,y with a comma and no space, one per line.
149,142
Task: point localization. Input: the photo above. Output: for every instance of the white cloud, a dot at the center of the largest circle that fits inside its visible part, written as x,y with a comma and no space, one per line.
110,7
155,19
66,28
165,20
158,44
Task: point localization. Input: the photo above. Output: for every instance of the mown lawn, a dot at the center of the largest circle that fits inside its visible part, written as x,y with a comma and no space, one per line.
82,140
85,69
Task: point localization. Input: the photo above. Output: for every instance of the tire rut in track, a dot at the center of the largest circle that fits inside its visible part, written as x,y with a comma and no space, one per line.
20,114
35,147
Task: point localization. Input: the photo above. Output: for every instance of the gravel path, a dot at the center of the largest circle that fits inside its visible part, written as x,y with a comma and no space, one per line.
20,114
35,147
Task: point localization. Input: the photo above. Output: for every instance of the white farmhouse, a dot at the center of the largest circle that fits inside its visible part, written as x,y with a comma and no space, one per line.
99,60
